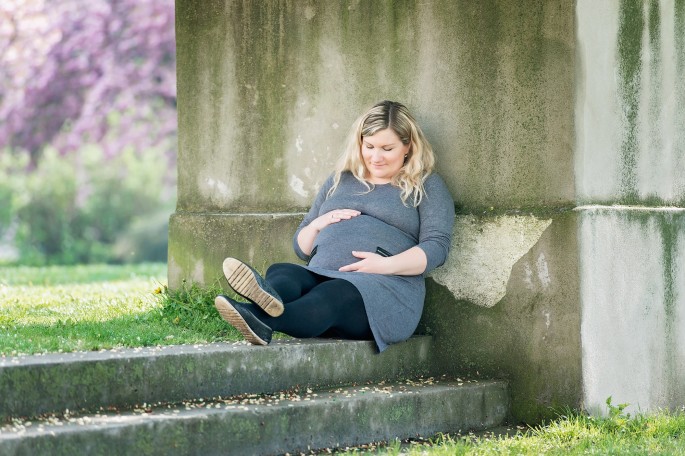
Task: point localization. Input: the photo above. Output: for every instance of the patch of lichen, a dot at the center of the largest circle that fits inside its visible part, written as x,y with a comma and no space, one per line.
629,42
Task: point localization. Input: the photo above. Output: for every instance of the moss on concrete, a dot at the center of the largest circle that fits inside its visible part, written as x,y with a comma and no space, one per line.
531,337
240,66
679,140
198,244
251,75
503,90
631,26
656,102
264,73
671,229
633,303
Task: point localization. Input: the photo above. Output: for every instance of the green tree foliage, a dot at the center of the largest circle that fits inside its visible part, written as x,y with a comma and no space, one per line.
87,130
86,208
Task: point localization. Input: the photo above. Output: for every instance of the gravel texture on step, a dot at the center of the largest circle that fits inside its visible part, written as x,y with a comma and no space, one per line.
287,421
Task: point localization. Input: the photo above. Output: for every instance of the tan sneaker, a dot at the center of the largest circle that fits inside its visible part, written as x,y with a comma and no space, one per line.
243,320
250,285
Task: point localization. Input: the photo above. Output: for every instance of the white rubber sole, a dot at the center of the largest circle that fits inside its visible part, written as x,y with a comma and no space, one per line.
242,279
232,316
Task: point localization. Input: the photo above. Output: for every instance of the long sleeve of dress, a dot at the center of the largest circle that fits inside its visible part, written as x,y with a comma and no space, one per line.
436,213
311,215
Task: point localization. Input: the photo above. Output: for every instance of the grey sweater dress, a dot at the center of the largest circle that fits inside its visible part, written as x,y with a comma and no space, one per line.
386,226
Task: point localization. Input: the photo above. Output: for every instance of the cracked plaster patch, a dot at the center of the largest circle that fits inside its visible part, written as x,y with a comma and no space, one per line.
483,254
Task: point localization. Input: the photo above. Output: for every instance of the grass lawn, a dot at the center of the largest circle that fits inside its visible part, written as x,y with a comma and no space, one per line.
572,434
73,308
70,308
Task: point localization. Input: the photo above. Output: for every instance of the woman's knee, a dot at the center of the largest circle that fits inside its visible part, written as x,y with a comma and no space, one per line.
280,268
291,281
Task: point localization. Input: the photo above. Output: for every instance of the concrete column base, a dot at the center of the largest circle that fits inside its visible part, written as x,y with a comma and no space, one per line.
199,242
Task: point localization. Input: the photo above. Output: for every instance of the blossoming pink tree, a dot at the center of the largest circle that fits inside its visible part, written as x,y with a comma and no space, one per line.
96,71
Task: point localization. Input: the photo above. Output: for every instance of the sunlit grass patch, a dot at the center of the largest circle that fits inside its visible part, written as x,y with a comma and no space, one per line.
56,275
71,308
573,433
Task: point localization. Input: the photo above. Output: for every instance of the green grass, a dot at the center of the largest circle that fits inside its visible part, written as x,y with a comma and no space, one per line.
71,308
74,308
571,434
80,274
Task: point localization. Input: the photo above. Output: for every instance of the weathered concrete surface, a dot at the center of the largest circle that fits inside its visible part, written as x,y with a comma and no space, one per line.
267,91
531,336
630,112
352,416
630,149
486,249
199,242
533,107
34,385
596,308
633,306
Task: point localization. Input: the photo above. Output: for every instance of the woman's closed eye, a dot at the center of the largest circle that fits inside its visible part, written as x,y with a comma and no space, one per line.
387,149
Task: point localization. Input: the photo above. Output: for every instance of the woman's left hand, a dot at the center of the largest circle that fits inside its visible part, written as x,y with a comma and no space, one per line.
371,263
408,263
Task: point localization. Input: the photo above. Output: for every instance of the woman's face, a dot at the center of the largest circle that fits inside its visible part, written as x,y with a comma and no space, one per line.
383,154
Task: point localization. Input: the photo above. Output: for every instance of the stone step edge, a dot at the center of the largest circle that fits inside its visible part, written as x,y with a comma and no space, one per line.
331,418
35,385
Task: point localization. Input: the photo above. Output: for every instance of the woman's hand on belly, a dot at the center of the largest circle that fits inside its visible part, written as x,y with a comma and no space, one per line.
334,216
307,235
410,262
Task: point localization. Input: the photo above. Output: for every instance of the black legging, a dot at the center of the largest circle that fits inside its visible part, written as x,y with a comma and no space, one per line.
315,305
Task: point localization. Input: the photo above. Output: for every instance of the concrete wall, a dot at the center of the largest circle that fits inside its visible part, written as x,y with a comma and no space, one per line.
529,332
633,306
630,102
630,113
543,114
268,90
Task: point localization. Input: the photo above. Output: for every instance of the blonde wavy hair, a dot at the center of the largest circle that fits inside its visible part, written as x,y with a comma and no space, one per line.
417,166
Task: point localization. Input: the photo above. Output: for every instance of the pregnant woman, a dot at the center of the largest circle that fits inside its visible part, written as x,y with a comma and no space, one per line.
379,224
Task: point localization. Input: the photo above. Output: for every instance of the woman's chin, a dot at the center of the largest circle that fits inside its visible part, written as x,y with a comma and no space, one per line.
379,178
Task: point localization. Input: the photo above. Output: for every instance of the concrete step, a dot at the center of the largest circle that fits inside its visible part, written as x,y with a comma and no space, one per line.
34,385
288,422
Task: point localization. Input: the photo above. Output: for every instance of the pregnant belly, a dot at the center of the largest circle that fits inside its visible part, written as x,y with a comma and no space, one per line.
335,243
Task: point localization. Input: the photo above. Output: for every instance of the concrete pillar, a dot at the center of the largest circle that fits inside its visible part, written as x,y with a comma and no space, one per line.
630,180
543,115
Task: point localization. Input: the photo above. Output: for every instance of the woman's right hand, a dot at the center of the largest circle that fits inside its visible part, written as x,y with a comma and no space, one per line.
333,216
307,235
